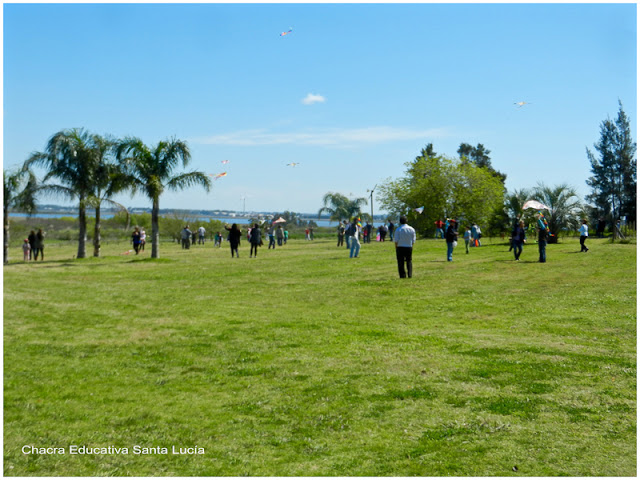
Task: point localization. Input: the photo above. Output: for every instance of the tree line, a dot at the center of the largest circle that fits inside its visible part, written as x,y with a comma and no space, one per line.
469,189
91,169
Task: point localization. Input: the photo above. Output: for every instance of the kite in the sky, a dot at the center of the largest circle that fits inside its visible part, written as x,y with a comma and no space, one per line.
224,162
521,104
287,32
292,164
216,176
535,205
419,209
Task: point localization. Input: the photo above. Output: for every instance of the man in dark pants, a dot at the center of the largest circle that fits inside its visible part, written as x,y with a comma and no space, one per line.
404,238
543,236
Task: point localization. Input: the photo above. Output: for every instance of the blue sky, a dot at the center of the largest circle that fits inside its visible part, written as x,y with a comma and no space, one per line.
354,92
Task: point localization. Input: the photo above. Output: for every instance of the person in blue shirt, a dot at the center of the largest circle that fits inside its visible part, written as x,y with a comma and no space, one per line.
404,237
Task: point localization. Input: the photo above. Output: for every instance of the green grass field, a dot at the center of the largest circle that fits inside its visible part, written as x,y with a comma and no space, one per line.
304,362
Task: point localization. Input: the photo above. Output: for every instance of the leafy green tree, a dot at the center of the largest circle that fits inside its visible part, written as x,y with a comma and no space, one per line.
446,188
19,192
613,183
339,207
70,157
566,208
152,172
479,155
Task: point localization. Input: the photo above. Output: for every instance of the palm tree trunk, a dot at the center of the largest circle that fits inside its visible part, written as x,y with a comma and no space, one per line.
155,230
6,233
82,235
96,234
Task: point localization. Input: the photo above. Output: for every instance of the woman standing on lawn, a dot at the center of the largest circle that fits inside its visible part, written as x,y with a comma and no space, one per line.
234,238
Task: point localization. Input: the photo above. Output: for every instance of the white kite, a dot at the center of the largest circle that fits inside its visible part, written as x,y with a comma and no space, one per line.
521,104
292,164
224,162
419,210
535,205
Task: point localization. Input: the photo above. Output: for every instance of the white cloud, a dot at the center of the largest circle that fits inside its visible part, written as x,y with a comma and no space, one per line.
322,137
311,98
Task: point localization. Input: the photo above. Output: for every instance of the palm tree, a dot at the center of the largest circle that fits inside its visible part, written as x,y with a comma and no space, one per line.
109,178
565,205
19,192
152,172
514,202
339,207
70,158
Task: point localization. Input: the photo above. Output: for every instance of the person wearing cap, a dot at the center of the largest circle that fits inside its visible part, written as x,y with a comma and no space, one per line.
452,238
404,238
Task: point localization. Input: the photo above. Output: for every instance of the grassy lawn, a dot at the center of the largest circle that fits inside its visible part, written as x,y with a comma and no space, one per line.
305,362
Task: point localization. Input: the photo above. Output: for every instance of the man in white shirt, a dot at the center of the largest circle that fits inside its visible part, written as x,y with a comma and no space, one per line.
404,238
201,233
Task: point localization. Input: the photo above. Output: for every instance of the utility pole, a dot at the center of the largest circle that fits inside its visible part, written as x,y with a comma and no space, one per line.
372,190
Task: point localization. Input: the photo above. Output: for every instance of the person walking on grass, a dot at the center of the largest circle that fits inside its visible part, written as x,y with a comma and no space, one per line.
143,239
32,243
341,230
185,236
255,240
135,238
452,238
39,248
543,236
518,239
286,236
234,239
354,231
467,238
280,235
26,250
404,239
272,238
584,233
201,235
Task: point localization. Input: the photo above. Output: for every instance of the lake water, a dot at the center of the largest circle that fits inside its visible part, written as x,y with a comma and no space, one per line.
229,220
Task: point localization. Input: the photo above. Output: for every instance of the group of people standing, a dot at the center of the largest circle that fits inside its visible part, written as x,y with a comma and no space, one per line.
254,236
33,246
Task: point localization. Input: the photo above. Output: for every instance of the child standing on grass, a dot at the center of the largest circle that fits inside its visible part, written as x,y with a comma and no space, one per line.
26,250
467,238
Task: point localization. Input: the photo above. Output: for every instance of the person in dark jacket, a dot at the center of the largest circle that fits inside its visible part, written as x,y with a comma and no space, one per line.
518,239
32,244
234,238
39,245
451,236
255,239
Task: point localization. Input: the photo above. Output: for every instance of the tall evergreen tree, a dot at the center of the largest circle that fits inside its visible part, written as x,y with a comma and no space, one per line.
613,182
